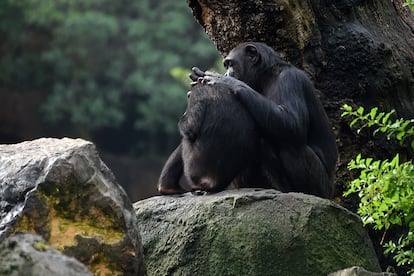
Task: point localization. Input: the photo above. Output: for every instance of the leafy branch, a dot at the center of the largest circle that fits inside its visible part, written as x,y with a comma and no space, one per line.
385,188
401,128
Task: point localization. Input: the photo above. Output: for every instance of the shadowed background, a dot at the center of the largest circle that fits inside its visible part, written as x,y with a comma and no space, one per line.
112,72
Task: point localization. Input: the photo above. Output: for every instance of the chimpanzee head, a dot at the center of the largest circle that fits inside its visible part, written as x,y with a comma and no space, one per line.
220,139
249,61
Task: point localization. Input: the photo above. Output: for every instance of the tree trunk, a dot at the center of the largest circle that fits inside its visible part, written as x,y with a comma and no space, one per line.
358,52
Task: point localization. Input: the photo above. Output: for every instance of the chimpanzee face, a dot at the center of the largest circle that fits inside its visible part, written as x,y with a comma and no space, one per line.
234,64
241,63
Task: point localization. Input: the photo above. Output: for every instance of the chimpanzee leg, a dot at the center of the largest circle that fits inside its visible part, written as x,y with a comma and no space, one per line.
306,173
168,183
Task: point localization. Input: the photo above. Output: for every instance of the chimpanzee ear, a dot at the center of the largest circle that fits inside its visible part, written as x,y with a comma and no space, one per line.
252,53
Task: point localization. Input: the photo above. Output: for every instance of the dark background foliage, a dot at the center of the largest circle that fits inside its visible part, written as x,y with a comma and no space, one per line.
100,70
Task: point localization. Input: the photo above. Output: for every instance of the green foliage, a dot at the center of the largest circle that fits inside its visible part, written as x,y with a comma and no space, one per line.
410,3
103,62
386,188
403,250
400,129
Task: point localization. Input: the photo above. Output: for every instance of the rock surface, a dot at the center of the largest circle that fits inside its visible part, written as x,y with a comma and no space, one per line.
27,254
359,271
251,232
61,190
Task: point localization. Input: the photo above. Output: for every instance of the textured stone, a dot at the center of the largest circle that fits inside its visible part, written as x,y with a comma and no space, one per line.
359,271
61,190
251,232
27,254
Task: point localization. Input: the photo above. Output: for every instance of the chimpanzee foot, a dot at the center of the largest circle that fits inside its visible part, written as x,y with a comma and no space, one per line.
170,191
198,192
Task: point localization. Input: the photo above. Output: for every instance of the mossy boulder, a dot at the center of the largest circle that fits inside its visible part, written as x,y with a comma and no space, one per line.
251,232
61,190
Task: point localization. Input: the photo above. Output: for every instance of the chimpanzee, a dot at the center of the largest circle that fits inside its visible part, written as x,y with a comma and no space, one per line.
219,139
297,150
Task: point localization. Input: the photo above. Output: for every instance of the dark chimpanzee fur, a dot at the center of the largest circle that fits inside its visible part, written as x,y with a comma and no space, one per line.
219,141
297,150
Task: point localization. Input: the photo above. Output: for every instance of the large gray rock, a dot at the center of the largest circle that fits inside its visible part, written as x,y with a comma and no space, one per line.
251,232
27,254
61,190
359,271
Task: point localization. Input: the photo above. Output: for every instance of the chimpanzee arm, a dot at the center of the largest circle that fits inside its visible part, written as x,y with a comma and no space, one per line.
280,114
171,173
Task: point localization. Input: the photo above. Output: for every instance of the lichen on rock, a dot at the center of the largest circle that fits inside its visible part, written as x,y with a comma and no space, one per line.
61,190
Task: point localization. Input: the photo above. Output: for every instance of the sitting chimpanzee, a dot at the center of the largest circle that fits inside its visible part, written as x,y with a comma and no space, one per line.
219,139
297,150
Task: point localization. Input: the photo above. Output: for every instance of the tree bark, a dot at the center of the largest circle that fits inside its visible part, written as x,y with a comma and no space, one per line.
358,52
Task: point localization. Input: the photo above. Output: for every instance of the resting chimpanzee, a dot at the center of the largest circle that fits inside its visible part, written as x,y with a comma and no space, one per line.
219,139
298,150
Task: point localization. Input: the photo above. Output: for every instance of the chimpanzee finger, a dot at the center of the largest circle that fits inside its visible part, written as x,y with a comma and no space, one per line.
193,83
196,73
212,74
188,94
193,76
208,80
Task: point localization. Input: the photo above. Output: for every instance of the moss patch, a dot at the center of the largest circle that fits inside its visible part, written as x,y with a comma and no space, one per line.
63,216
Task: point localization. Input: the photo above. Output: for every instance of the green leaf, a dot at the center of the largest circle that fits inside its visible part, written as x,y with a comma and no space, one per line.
400,135
379,116
373,112
395,161
405,123
347,110
386,117
360,110
354,121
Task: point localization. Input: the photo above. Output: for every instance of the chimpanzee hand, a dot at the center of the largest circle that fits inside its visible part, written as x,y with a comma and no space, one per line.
196,73
207,77
211,78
